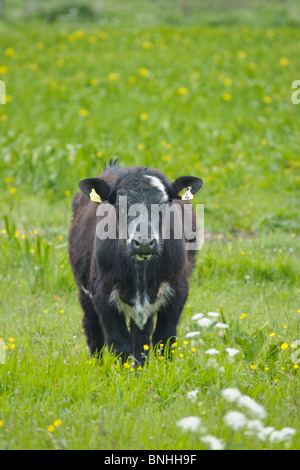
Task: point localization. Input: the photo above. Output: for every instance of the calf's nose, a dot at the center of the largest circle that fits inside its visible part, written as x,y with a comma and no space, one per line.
143,246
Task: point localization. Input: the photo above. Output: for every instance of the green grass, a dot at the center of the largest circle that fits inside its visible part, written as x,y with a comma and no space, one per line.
213,102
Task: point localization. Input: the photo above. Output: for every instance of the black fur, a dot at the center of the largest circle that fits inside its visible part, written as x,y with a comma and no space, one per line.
107,273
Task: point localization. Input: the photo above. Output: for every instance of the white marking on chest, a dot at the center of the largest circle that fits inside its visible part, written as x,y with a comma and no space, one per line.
142,308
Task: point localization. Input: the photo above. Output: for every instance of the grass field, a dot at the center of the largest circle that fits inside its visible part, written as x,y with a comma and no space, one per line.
210,101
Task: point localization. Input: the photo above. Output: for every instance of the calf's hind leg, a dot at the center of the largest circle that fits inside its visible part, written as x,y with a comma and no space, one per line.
91,325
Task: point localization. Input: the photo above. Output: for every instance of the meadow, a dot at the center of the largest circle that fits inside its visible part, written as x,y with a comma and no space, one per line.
212,101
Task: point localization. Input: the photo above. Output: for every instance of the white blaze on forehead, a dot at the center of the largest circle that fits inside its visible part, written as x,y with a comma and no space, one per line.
158,184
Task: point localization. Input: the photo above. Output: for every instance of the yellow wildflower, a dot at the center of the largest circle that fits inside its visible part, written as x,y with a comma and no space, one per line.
57,423
93,81
241,54
182,91
283,62
51,428
284,346
83,112
146,347
144,72
147,45
9,52
76,35
267,99
132,79
226,97
3,69
227,82
113,76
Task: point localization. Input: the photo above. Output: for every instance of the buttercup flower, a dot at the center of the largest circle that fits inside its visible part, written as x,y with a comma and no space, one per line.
83,112
226,97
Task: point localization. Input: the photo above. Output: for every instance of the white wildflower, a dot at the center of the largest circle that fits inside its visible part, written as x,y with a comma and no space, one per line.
265,432
232,351
252,406
191,423
197,316
213,442
221,325
235,420
192,395
285,434
213,314
254,426
231,394
192,334
204,322
212,352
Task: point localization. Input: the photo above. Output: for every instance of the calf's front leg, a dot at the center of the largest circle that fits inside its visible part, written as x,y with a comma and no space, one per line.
141,340
167,320
116,334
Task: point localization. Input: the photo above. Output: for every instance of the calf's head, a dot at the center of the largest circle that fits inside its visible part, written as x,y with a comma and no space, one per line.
137,201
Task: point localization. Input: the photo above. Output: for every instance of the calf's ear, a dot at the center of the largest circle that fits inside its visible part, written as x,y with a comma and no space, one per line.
185,187
95,189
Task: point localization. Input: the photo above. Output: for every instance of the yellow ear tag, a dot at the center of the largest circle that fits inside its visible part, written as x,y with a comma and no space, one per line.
94,197
186,194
